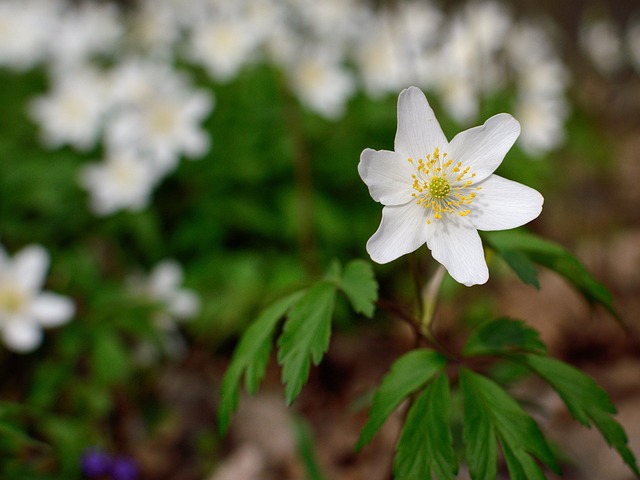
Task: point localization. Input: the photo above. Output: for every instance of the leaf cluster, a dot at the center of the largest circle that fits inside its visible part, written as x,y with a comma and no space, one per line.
492,421
305,334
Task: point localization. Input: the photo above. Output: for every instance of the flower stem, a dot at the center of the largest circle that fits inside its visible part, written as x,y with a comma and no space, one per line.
429,300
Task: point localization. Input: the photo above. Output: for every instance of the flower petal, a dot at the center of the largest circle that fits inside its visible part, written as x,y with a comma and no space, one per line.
455,243
31,264
165,279
502,204
388,176
419,132
184,304
401,231
22,335
51,309
483,148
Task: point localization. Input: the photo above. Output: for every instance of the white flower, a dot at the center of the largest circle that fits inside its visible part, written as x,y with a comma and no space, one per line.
72,112
224,45
321,83
24,308
441,193
124,181
159,114
25,30
164,287
601,41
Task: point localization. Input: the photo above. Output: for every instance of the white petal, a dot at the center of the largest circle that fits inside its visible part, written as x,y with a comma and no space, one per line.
401,231
31,264
51,309
502,204
22,335
165,278
184,304
455,243
388,176
483,148
419,132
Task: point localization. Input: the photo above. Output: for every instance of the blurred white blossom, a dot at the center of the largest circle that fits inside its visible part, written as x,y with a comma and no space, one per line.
24,308
163,287
71,113
602,42
123,181
25,31
321,82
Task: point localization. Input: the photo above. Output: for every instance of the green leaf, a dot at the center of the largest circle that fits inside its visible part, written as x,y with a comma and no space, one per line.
407,374
251,358
503,335
522,266
479,437
425,447
306,450
490,414
587,402
359,285
305,337
552,256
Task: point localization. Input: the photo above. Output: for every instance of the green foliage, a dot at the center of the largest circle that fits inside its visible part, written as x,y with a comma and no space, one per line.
425,447
489,414
522,249
512,340
251,357
304,338
359,285
503,335
408,373
588,403
306,451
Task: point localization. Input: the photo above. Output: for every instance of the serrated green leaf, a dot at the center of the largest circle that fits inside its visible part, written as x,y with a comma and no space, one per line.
503,335
359,285
554,257
518,433
479,437
251,357
587,402
408,373
305,337
425,447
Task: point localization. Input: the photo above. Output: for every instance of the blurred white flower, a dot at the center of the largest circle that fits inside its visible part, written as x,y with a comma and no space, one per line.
222,45
25,31
159,115
123,181
73,110
164,287
441,193
24,308
321,83
380,57
542,119
154,29
84,30
602,42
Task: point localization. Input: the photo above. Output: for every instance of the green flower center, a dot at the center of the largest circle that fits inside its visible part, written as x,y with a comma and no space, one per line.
439,187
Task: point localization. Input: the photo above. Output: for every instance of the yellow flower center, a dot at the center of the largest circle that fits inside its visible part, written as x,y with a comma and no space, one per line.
11,299
439,187
442,186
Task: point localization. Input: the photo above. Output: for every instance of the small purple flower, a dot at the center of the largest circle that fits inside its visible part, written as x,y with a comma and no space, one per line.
124,468
96,463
